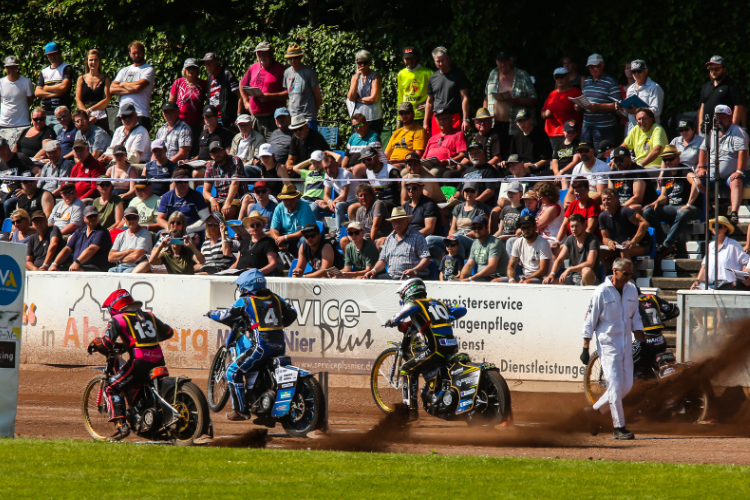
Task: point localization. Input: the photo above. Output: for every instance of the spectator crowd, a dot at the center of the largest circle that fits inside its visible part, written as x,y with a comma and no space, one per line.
524,189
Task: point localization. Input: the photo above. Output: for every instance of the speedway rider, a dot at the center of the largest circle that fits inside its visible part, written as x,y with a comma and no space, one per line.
654,311
267,314
433,319
139,333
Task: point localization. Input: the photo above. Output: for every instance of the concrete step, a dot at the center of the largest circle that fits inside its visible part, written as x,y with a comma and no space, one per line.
681,265
672,283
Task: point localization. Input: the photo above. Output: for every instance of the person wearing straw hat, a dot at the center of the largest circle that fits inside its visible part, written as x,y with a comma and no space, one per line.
488,137
405,251
289,218
260,250
679,202
301,82
731,256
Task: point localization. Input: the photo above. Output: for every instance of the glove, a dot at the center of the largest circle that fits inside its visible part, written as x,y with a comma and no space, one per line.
388,324
585,356
97,346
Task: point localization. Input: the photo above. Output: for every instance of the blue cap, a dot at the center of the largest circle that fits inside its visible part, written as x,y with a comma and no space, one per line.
281,111
479,219
51,47
251,281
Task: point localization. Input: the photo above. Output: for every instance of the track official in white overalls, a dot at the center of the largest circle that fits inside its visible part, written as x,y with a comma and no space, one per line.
612,316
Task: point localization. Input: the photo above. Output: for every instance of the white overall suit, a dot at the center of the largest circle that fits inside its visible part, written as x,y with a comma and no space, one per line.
612,317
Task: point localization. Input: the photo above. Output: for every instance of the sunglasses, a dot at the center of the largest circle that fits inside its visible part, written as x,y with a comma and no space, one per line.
15,222
526,227
93,216
560,77
618,160
684,130
310,235
406,112
412,188
131,217
175,222
412,163
636,71
363,63
67,193
261,191
358,125
469,191
625,273
477,228
127,117
584,151
256,224
369,160
354,233
667,160
451,243
212,223
38,119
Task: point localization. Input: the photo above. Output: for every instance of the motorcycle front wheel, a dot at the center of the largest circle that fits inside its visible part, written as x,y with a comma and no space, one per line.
594,383
385,381
306,408
95,412
192,407
492,403
217,391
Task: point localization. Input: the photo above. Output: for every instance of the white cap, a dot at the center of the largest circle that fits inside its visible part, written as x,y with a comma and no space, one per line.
158,144
265,150
50,146
594,59
244,118
317,155
560,71
723,109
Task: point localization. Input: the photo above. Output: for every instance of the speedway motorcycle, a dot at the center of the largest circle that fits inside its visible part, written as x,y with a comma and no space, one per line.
166,409
675,402
460,390
278,392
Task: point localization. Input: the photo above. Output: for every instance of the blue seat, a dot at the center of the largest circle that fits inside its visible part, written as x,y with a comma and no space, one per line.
7,225
602,273
563,193
652,232
200,189
213,191
321,227
293,266
339,152
330,132
433,271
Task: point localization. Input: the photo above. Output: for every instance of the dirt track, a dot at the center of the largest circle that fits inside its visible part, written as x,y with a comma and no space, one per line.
49,407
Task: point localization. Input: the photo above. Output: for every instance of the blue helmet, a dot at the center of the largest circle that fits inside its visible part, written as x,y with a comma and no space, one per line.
251,280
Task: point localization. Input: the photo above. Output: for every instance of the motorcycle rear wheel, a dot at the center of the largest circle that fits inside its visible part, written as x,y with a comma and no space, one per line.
385,381
494,406
217,392
193,409
96,417
695,405
306,408
594,383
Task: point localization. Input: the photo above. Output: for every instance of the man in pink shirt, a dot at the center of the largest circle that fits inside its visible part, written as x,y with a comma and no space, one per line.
447,148
267,75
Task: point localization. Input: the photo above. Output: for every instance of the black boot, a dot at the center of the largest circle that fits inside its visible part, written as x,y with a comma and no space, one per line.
622,433
122,430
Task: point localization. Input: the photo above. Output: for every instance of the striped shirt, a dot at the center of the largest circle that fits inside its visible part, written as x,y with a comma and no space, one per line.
405,253
232,169
601,91
215,256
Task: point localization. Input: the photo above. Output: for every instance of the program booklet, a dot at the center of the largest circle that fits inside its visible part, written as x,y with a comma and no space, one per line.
581,101
501,96
253,91
333,271
237,228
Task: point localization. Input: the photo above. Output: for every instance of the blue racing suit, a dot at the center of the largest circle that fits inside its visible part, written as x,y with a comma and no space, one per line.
267,314
433,319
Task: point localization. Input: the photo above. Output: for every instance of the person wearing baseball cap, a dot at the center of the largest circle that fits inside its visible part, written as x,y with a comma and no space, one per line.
601,90
131,134
515,82
564,153
213,131
161,167
86,166
266,75
87,248
733,151
632,189
177,134
189,202
477,169
55,85
679,202
304,95
464,212
412,83
452,263
447,90
228,86
410,137
246,143
313,175
17,96
558,109
646,90
226,167
531,143
44,244
532,251
360,255
720,89
304,141
487,254
688,143
426,216
447,145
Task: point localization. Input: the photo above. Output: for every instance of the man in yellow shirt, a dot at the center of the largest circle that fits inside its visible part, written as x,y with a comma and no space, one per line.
647,139
411,137
412,83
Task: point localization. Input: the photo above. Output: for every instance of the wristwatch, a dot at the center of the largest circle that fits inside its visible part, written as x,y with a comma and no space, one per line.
78,262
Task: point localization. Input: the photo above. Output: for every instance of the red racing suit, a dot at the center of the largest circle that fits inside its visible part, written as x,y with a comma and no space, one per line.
141,333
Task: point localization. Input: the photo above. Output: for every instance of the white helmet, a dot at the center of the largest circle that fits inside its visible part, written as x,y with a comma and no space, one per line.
412,289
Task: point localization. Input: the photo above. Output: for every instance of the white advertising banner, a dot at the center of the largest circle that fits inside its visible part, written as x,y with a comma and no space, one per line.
531,332
12,270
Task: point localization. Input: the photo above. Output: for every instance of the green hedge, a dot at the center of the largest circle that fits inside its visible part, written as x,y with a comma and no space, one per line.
675,38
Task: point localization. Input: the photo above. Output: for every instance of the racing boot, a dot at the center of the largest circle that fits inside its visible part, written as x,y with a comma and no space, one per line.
239,405
122,430
266,421
235,416
622,433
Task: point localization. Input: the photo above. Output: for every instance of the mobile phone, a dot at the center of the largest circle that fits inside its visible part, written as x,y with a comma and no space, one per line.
176,241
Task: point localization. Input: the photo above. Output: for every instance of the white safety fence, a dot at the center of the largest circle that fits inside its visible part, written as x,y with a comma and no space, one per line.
531,332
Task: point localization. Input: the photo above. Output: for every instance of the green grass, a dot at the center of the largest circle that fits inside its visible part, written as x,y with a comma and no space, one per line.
39,469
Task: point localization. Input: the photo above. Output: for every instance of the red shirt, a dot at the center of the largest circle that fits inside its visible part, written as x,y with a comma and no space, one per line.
190,100
270,81
445,146
591,209
89,168
562,110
